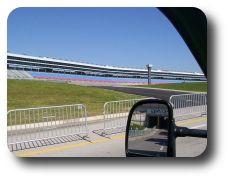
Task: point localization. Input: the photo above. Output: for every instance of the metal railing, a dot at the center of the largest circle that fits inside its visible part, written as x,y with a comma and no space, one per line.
116,114
31,124
189,105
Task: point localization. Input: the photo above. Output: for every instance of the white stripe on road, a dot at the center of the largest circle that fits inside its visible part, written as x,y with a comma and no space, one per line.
195,127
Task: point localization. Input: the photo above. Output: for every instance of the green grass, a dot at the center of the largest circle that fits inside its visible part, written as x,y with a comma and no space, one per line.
198,86
27,94
135,126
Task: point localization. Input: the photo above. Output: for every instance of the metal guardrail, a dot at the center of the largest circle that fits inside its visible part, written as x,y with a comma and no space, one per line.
116,114
189,105
32,124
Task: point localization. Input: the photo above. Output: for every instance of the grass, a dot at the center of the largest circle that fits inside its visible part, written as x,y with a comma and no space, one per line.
135,126
28,93
196,86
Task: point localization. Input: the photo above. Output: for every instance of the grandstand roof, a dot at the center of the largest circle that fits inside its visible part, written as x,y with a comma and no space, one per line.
99,66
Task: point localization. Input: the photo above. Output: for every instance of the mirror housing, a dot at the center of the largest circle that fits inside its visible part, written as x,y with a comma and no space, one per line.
156,129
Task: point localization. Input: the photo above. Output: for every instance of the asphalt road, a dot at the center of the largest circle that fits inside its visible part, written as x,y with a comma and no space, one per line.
114,145
156,93
154,143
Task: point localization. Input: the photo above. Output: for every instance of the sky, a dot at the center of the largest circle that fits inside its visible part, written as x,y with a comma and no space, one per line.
121,37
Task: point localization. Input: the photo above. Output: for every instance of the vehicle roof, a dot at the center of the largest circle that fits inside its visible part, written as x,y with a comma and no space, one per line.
191,23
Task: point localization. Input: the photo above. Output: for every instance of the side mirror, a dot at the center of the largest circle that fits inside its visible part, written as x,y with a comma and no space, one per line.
150,129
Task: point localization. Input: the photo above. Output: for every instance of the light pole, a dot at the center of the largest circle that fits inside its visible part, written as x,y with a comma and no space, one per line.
149,67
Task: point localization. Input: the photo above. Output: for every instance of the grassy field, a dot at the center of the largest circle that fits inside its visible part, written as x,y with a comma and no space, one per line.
198,86
26,94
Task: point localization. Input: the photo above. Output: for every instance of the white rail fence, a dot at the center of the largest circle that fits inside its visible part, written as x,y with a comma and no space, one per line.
32,124
116,114
189,105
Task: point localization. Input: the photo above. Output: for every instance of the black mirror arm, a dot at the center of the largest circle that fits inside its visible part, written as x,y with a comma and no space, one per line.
184,131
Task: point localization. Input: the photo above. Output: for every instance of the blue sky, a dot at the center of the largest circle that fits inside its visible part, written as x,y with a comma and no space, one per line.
123,37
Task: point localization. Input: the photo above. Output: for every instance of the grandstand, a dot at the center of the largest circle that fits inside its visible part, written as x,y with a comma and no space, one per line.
18,74
30,67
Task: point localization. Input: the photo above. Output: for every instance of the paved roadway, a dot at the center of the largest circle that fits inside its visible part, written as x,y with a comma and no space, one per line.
152,143
114,145
149,92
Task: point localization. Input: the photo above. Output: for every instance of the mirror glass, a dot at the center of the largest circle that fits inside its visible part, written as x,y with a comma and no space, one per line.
148,130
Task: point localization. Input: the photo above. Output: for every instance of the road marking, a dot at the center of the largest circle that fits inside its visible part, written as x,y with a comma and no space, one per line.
186,122
59,148
196,127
